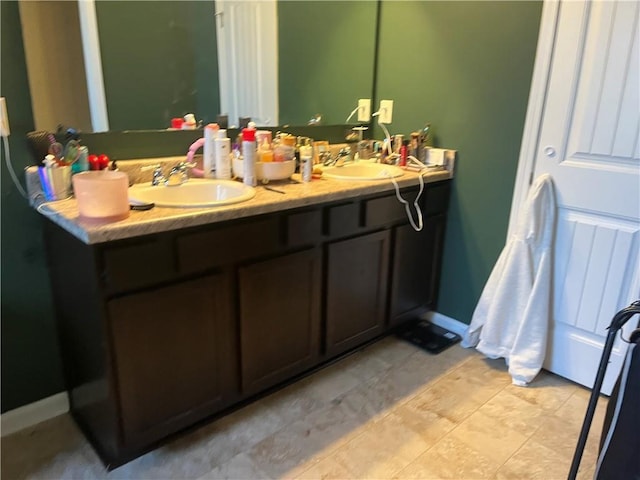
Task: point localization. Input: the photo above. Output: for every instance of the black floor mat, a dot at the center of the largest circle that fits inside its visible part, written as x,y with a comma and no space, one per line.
429,337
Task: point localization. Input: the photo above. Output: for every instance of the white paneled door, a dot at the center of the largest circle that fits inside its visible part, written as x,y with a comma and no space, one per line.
588,142
247,35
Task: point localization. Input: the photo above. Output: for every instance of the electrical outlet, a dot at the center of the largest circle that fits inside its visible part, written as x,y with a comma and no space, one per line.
364,109
386,111
4,118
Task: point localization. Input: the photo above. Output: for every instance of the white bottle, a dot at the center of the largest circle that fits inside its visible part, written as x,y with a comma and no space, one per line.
249,157
223,158
306,162
209,150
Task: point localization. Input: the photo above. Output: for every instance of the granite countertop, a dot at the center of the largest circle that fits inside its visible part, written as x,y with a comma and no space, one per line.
159,219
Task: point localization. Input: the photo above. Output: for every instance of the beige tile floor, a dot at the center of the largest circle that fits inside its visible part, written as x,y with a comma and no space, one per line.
390,411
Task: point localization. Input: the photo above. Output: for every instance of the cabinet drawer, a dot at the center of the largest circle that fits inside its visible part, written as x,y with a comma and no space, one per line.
342,219
137,265
303,228
385,210
250,239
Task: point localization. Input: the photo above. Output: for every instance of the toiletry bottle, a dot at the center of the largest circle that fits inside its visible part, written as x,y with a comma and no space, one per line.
265,154
223,158
404,152
306,162
189,122
249,156
82,164
209,150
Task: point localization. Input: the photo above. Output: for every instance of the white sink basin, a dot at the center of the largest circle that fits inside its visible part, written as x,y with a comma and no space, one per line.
193,193
362,171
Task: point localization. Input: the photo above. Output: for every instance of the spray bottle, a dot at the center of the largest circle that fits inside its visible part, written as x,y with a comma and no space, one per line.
249,156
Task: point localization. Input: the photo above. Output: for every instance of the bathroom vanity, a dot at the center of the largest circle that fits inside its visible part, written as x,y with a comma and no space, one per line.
174,316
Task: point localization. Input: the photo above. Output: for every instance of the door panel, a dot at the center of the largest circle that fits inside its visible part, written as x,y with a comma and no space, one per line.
279,318
357,272
589,144
174,355
416,268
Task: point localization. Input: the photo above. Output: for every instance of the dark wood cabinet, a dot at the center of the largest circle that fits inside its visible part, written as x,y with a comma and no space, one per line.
416,269
160,331
279,318
356,290
174,356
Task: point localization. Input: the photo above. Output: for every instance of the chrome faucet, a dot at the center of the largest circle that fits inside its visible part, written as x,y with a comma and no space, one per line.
158,176
179,174
344,156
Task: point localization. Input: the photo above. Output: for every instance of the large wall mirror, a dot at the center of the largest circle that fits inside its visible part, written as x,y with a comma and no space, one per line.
159,60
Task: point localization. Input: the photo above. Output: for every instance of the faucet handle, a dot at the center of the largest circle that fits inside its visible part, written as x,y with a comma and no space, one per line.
178,174
184,165
158,175
154,166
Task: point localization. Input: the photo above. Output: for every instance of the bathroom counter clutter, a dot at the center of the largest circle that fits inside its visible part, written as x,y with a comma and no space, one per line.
159,219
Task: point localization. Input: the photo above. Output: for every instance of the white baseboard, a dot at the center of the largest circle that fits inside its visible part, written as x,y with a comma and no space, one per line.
33,413
451,324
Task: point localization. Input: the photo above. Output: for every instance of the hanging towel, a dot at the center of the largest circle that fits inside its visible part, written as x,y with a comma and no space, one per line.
512,317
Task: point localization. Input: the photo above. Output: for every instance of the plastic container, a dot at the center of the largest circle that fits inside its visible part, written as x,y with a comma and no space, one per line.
262,136
102,195
266,170
284,153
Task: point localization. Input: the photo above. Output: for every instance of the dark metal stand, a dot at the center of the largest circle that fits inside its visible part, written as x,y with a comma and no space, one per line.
617,323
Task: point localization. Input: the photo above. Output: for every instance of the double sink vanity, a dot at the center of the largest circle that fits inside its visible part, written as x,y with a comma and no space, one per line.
177,315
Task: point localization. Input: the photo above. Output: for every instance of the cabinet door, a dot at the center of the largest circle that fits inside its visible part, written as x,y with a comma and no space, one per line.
416,268
357,271
279,318
174,356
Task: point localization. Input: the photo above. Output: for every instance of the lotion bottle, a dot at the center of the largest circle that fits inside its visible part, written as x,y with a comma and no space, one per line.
223,158
209,150
249,157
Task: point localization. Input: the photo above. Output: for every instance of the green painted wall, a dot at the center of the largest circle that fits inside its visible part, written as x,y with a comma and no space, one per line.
325,57
465,67
30,358
160,61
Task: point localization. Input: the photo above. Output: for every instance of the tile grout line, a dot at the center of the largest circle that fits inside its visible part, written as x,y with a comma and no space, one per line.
529,438
388,412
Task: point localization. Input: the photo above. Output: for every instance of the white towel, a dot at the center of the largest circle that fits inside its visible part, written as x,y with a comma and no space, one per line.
512,317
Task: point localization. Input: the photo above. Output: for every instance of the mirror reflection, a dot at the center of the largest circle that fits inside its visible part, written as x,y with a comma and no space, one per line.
161,60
